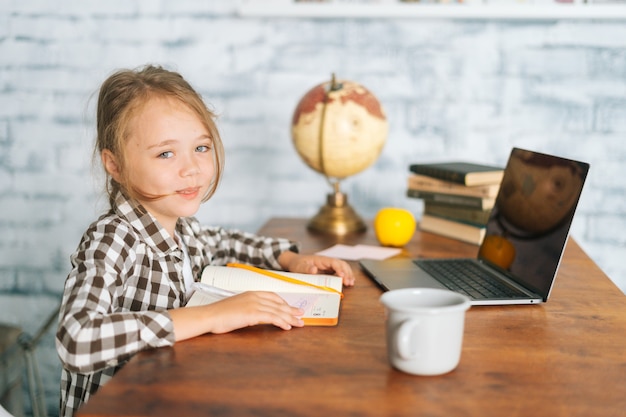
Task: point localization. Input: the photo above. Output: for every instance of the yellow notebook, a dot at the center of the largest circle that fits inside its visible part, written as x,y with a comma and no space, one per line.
318,295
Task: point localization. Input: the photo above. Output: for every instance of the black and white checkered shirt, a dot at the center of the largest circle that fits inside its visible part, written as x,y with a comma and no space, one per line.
126,274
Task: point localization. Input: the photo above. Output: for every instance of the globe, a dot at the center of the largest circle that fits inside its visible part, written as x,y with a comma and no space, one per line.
339,129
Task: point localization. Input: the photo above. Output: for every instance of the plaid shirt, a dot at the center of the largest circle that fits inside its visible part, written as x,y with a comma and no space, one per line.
126,274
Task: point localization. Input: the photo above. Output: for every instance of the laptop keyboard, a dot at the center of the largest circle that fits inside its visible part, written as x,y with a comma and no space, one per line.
467,277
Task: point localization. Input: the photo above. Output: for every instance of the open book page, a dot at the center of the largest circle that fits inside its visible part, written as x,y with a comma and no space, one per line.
321,308
200,298
236,279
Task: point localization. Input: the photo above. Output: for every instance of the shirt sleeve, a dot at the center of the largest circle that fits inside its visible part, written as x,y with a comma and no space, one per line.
95,331
229,245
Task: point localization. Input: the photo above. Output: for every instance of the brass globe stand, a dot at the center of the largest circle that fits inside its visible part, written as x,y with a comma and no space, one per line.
337,217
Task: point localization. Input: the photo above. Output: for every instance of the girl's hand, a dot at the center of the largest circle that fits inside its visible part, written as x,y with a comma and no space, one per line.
316,264
251,308
241,310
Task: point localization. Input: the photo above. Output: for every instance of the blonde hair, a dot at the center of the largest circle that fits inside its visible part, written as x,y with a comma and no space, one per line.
123,95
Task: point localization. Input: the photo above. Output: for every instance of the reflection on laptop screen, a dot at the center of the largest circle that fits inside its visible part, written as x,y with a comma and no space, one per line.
530,223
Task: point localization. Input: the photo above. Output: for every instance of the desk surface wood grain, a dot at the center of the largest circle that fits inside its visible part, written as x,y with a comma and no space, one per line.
566,357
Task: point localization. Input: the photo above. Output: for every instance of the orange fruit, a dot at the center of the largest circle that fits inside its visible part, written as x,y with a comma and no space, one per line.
394,226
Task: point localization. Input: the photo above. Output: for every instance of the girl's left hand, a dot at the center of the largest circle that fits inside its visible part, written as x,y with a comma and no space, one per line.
316,264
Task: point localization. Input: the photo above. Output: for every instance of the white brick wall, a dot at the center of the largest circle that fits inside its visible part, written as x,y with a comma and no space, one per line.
451,89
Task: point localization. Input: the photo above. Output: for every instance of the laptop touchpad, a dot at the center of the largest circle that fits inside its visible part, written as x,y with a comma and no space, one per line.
399,273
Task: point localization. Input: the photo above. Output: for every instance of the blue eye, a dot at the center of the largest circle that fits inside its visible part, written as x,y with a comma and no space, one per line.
203,148
166,155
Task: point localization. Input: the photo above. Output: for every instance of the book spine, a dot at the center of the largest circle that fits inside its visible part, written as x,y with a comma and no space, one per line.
470,215
452,199
442,174
456,230
421,183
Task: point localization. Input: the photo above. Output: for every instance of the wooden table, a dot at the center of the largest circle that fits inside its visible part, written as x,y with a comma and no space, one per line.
563,358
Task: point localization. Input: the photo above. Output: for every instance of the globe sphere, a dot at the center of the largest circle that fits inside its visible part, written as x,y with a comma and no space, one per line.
339,128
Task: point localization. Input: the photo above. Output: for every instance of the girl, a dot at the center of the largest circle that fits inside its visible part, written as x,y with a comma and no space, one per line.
134,267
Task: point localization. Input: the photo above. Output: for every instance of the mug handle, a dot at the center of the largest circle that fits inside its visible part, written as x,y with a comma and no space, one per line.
404,338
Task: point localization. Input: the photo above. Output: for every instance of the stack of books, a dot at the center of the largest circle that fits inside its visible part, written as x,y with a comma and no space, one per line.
458,197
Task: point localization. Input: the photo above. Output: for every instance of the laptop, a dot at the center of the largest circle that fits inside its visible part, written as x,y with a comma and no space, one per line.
525,238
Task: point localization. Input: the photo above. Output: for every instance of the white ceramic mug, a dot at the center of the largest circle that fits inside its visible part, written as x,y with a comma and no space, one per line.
424,329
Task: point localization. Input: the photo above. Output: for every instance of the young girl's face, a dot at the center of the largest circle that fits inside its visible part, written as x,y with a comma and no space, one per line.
169,154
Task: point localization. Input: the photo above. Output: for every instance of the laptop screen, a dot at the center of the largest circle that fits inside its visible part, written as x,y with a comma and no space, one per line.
529,225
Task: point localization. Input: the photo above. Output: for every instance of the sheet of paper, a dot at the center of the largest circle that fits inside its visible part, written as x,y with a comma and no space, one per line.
356,252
